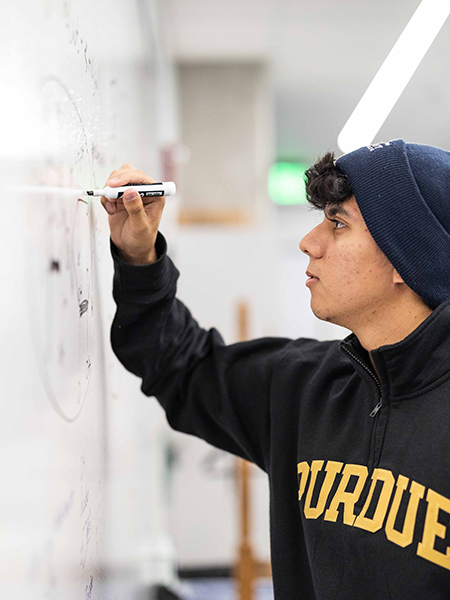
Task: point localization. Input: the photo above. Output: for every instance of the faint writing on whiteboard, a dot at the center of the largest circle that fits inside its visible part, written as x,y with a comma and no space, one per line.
86,538
80,43
89,587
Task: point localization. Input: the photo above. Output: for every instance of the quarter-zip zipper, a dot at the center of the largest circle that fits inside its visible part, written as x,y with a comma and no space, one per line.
372,459
375,410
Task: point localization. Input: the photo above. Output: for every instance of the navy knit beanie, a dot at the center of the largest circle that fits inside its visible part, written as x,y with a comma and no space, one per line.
403,193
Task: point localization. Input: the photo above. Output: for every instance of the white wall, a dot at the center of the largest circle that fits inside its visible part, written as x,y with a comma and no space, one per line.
226,121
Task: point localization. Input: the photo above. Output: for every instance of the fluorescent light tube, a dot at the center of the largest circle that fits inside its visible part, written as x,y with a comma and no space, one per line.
393,75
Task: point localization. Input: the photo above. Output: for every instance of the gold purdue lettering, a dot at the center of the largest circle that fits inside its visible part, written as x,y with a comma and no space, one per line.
332,469
303,471
376,522
342,496
434,529
416,492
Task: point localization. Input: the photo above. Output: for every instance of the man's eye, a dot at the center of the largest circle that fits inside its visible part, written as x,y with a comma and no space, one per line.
338,224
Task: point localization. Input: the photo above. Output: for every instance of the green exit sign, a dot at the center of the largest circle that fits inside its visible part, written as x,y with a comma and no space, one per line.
286,183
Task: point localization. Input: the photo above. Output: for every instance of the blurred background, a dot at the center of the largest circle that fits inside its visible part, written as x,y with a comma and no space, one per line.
232,101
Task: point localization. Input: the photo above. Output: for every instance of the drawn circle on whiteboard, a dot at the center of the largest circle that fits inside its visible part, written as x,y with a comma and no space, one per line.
60,249
60,244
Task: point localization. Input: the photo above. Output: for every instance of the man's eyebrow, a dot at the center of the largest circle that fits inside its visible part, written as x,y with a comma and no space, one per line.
332,211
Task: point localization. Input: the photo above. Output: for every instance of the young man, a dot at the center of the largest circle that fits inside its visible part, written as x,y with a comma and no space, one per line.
354,435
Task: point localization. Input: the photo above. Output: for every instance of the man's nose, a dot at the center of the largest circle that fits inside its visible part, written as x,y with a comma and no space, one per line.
311,244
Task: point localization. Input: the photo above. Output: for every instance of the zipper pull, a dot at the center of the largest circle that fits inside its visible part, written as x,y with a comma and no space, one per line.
376,409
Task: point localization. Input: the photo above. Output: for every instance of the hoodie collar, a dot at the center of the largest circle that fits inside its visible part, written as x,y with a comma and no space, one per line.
417,362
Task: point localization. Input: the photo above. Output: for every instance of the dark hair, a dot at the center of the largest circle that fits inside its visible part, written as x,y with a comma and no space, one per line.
325,184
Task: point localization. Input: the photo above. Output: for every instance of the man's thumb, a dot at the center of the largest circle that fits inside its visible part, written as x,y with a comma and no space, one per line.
134,207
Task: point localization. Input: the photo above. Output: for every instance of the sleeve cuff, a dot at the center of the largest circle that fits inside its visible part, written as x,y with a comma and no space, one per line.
151,278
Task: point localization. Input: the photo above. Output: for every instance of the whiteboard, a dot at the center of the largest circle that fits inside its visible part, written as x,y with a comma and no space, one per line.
79,98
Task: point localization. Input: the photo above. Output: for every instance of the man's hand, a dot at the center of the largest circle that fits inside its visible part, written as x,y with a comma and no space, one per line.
133,220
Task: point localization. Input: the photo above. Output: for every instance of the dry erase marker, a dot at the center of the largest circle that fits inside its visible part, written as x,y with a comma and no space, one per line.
165,188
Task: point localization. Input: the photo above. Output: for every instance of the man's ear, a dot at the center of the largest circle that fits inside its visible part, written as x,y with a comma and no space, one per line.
396,278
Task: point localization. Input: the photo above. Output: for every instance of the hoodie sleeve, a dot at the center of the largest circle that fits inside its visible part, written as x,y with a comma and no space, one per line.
216,392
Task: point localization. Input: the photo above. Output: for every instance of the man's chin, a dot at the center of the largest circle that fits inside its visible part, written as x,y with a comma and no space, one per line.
323,314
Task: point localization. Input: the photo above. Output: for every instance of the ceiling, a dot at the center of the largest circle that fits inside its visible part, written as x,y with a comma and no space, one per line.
323,55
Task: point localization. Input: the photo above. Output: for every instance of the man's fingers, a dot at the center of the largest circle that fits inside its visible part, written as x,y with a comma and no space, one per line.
109,205
127,174
135,209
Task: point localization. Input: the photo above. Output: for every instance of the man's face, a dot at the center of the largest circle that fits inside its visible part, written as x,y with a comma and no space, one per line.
355,280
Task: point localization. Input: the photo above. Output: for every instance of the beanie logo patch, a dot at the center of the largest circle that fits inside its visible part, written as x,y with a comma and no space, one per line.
373,147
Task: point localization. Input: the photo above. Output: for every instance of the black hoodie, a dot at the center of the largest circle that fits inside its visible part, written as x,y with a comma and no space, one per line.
358,464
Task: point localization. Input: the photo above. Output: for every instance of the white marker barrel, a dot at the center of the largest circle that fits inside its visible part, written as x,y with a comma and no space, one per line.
165,188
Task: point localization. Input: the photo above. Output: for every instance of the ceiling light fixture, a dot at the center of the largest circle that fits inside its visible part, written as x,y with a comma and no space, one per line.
394,75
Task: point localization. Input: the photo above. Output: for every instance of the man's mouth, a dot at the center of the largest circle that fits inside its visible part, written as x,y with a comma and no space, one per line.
311,279
311,275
